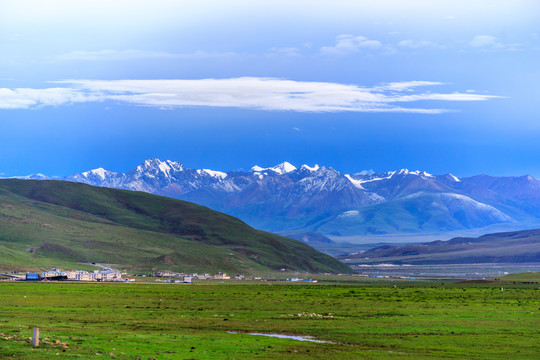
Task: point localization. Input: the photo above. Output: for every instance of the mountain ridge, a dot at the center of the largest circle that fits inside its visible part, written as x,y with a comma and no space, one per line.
318,198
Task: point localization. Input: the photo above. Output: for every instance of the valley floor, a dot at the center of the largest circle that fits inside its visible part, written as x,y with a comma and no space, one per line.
371,320
446,271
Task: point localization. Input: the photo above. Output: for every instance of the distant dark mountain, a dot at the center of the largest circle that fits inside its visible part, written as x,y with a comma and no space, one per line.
517,196
284,198
60,223
509,247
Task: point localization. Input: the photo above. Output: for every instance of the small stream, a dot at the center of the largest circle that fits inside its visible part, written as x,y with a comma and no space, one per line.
281,336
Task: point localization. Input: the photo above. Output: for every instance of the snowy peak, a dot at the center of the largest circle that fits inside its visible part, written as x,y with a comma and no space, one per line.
422,174
150,163
283,168
163,166
279,169
174,165
157,168
99,172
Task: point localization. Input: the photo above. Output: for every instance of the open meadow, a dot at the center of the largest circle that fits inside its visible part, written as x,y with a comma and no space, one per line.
368,320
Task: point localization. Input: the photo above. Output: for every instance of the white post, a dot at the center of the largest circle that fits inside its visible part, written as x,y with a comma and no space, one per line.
35,337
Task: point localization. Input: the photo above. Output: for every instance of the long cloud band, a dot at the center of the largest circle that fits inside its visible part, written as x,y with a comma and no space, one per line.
268,94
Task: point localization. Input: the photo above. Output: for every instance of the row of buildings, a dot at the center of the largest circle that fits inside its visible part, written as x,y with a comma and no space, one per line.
205,276
78,275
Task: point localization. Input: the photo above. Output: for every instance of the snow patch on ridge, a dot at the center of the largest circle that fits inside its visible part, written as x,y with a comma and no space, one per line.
257,168
164,167
389,175
309,168
349,214
356,183
213,173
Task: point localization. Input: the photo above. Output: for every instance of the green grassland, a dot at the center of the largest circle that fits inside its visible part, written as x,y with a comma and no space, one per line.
528,277
372,320
63,224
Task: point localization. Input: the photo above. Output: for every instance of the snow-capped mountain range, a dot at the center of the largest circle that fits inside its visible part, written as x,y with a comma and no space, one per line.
318,198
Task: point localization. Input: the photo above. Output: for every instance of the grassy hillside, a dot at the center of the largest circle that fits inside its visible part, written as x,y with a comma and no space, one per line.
508,247
47,223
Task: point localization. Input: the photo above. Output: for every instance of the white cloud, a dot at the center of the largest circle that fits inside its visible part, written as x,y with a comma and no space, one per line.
482,41
445,97
246,93
25,98
405,85
491,43
350,44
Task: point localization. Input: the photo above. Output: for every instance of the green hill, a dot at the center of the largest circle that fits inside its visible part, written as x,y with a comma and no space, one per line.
64,224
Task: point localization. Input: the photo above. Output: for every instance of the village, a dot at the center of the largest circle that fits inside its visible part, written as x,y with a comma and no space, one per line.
56,274
112,275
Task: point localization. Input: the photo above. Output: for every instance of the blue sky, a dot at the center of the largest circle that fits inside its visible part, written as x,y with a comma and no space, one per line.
440,86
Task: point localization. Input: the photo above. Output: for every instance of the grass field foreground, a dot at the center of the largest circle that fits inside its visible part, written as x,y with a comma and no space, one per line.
368,321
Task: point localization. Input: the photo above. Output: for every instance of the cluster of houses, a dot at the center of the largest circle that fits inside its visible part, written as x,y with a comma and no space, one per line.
111,275
115,276
205,276
78,275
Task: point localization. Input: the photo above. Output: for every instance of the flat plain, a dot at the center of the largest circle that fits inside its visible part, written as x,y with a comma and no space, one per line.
368,319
